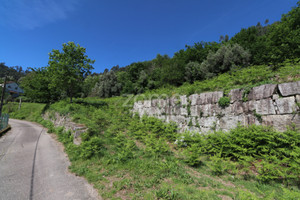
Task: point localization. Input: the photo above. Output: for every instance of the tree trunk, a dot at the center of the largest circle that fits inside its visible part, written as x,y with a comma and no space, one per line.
2,97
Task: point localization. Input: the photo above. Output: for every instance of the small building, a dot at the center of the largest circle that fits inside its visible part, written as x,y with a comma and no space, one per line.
13,88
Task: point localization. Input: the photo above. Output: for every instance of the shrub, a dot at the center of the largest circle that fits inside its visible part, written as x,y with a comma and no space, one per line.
275,155
91,148
224,102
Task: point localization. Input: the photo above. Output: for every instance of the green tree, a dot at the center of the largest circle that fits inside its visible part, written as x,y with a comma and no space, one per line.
194,71
68,69
107,86
228,57
88,84
283,37
12,73
253,39
35,85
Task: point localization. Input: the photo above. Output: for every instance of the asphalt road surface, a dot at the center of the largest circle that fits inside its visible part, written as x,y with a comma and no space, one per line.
34,166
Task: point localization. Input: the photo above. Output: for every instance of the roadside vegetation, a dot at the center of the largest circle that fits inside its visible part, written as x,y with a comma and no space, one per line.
128,157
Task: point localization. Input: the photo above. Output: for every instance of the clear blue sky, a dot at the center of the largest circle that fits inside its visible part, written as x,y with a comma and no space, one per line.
120,32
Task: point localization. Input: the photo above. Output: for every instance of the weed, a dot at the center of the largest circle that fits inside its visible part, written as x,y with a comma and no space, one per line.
258,116
224,102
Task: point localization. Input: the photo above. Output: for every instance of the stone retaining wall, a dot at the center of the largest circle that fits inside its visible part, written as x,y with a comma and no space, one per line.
271,104
66,122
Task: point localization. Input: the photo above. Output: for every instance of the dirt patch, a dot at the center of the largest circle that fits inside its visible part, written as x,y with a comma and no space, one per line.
223,197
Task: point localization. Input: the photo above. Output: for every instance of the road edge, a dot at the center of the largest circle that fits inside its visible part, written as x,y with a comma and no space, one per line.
5,130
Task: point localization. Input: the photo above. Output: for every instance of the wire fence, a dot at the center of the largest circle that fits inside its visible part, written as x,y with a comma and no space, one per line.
4,121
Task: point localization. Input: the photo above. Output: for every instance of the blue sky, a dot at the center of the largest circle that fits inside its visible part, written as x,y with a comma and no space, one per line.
120,32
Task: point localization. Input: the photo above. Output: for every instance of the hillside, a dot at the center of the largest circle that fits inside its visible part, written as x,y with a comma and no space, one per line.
126,157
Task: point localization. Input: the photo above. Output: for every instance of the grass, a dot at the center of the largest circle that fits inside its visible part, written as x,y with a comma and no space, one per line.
126,157
137,158
28,111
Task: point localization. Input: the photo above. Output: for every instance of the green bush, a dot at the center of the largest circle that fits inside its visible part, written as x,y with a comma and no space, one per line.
224,102
92,147
276,155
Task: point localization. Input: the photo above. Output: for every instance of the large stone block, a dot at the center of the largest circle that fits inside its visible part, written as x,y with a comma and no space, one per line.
298,98
174,101
147,110
205,110
280,122
183,100
237,108
164,102
193,99
200,121
230,122
168,110
183,111
176,110
249,106
289,89
138,107
178,119
236,95
193,129
286,105
154,111
155,103
162,117
262,92
209,98
209,110
210,122
191,121
141,112
194,111
250,119
147,103
265,107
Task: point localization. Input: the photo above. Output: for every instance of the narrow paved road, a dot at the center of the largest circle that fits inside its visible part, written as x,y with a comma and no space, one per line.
34,166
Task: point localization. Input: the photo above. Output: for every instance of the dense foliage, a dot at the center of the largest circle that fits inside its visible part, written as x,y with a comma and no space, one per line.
144,158
13,73
68,69
64,77
269,154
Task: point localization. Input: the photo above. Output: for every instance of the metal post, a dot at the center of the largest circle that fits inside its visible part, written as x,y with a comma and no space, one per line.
2,98
20,103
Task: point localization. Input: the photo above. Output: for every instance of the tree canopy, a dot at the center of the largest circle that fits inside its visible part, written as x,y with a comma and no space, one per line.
68,68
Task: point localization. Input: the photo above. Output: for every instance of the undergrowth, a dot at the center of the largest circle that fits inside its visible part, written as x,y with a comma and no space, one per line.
256,151
128,157
245,78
